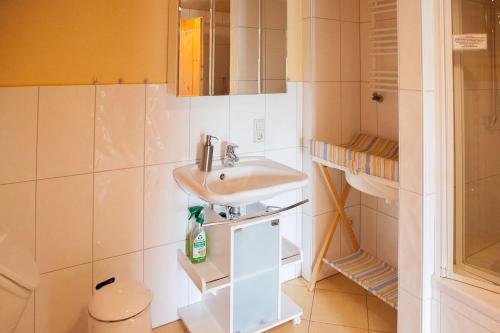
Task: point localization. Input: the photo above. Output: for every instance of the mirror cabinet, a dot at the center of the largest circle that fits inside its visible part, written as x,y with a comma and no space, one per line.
231,47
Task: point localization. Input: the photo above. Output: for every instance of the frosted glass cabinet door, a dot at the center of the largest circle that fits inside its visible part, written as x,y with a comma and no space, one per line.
256,259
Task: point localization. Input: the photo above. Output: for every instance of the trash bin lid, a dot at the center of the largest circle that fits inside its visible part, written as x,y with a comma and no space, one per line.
119,301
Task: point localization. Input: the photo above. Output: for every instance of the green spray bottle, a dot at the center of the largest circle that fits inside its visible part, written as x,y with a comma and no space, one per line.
197,237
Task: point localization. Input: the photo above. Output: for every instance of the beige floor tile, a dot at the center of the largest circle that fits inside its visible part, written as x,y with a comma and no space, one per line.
175,327
381,317
291,328
340,308
329,328
297,282
301,296
340,283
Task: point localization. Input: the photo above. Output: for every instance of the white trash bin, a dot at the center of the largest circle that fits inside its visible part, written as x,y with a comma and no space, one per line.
121,307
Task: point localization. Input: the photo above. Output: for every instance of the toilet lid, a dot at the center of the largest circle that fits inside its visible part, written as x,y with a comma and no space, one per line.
16,263
119,301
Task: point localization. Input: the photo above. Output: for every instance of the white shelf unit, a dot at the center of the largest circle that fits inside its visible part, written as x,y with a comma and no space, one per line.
240,280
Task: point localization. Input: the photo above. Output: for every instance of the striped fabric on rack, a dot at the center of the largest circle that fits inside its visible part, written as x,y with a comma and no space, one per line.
374,275
366,153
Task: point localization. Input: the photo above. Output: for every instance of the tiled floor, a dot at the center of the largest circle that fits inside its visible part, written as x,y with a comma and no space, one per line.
336,306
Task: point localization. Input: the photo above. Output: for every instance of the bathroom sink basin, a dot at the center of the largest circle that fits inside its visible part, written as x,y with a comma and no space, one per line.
250,181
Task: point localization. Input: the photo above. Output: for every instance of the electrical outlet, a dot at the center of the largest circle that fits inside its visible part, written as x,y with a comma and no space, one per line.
259,129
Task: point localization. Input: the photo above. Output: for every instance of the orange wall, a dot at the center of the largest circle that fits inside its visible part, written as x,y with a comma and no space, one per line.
51,42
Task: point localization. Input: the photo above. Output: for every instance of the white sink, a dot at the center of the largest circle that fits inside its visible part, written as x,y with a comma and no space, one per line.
250,181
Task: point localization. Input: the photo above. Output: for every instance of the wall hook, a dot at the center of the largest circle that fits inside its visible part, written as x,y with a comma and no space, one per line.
377,97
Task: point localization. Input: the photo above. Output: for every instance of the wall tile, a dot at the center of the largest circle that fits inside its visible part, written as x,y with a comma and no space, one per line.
410,242
388,117
325,99
351,110
410,45
364,14
165,207
18,127
327,9
17,212
281,119
126,267
119,132
387,239
167,125
320,226
325,46
409,313
65,131
64,222
410,141
369,122
68,311
209,115
245,109
350,69
365,58
167,281
118,212
349,10
27,322
354,214
368,239
386,207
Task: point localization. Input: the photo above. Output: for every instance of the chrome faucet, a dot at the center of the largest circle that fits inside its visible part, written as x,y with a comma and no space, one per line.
230,157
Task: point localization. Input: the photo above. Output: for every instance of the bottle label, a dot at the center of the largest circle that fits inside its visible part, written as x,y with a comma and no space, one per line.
200,246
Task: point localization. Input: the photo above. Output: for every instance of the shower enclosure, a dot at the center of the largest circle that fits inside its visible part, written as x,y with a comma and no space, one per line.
476,71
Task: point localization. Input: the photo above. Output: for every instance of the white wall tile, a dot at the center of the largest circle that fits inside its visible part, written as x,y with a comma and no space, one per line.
351,110
119,131
61,300
410,141
167,281
245,109
64,222
320,226
118,212
325,99
369,121
17,212
209,115
27,322
325,45
368,238
349,10
409,313
125,267
388,117
328,9
410,45
410,242
65,131
165,207
350,51
167,125
18,127
387,239
281,119
354,215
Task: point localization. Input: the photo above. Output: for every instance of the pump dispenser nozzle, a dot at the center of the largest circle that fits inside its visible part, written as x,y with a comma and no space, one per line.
208,154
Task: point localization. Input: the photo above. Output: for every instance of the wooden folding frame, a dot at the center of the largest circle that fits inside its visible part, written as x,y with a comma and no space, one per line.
340,215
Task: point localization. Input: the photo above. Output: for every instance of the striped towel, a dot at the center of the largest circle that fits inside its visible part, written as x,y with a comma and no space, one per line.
367,153
375,275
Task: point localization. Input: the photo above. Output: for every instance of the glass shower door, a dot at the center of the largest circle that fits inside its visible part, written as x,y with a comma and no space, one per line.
477,139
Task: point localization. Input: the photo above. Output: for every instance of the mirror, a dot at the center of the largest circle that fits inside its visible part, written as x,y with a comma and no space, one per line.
231,47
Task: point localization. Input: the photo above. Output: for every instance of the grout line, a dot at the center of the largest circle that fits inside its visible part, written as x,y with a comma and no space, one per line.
93,185
36,190
144,178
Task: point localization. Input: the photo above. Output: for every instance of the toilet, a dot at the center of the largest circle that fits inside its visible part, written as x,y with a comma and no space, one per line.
120,307
19,278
